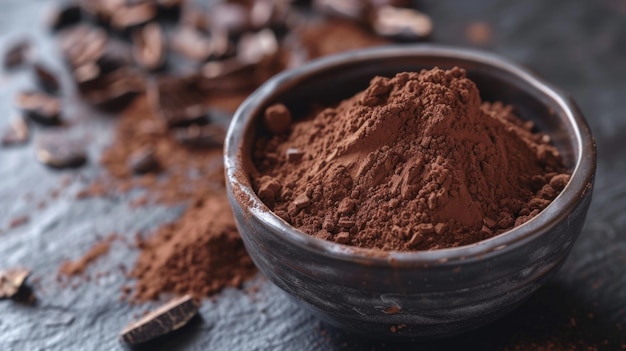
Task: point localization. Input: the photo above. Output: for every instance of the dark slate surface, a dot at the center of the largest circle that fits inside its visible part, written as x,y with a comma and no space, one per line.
580,46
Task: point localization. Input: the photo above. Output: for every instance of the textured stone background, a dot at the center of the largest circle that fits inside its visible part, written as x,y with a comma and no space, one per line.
578,45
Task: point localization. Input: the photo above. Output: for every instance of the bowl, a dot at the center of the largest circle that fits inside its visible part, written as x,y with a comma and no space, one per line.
421,294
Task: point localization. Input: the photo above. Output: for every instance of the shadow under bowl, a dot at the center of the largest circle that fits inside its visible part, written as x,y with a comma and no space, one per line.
421,294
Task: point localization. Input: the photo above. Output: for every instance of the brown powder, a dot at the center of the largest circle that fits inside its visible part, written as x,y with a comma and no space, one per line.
199,254
414,162
77,267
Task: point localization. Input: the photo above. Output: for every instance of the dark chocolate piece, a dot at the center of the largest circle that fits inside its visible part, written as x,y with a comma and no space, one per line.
47,80
231,17
195,17
149,47
191,43
133,16
57,152
16,133
11,281
253,48
270,14
83,44
167,318
113,90
143,161
355,10
177,100
63,16
17,54
40,107
230,75
204,136
401,24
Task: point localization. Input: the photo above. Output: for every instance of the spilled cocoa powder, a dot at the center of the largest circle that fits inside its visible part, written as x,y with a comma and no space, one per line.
78,266
414,162
199,254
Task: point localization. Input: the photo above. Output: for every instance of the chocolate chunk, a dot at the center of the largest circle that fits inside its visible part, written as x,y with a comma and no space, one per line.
191,43
17,54
277,118
199,46
11,281
113,90
401,23
269,14
294,155
233,18
167,318
57,152
149,47
253,48
195,18
177,100
83,44
40,107
355,10
102,11
46,79
63,16
195,135
143,161
230,75
16,133
132,16
170,8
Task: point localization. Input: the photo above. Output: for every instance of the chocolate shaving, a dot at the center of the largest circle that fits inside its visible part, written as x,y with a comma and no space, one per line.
11,281
166,319
401,23
40,107
149,47
83,44
128,17
58,152
63,16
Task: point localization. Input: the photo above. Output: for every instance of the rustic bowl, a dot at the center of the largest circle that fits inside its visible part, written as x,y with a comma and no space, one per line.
422,294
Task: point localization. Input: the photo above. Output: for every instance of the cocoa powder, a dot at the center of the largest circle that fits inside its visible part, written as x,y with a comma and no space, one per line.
414,162
199,254
78,266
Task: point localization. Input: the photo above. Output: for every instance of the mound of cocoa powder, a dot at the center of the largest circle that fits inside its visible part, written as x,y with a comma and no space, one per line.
414,162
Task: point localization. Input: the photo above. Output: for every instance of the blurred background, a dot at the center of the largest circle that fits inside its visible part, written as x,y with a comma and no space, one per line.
112,115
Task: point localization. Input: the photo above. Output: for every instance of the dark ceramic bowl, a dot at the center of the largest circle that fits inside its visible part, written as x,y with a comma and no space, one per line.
420,294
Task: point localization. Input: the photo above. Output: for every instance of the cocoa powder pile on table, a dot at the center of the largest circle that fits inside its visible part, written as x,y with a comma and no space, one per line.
414,162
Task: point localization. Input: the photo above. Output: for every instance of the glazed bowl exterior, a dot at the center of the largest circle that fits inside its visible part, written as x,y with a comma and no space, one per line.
422,294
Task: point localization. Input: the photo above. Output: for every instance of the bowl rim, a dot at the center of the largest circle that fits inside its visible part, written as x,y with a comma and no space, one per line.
581,180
